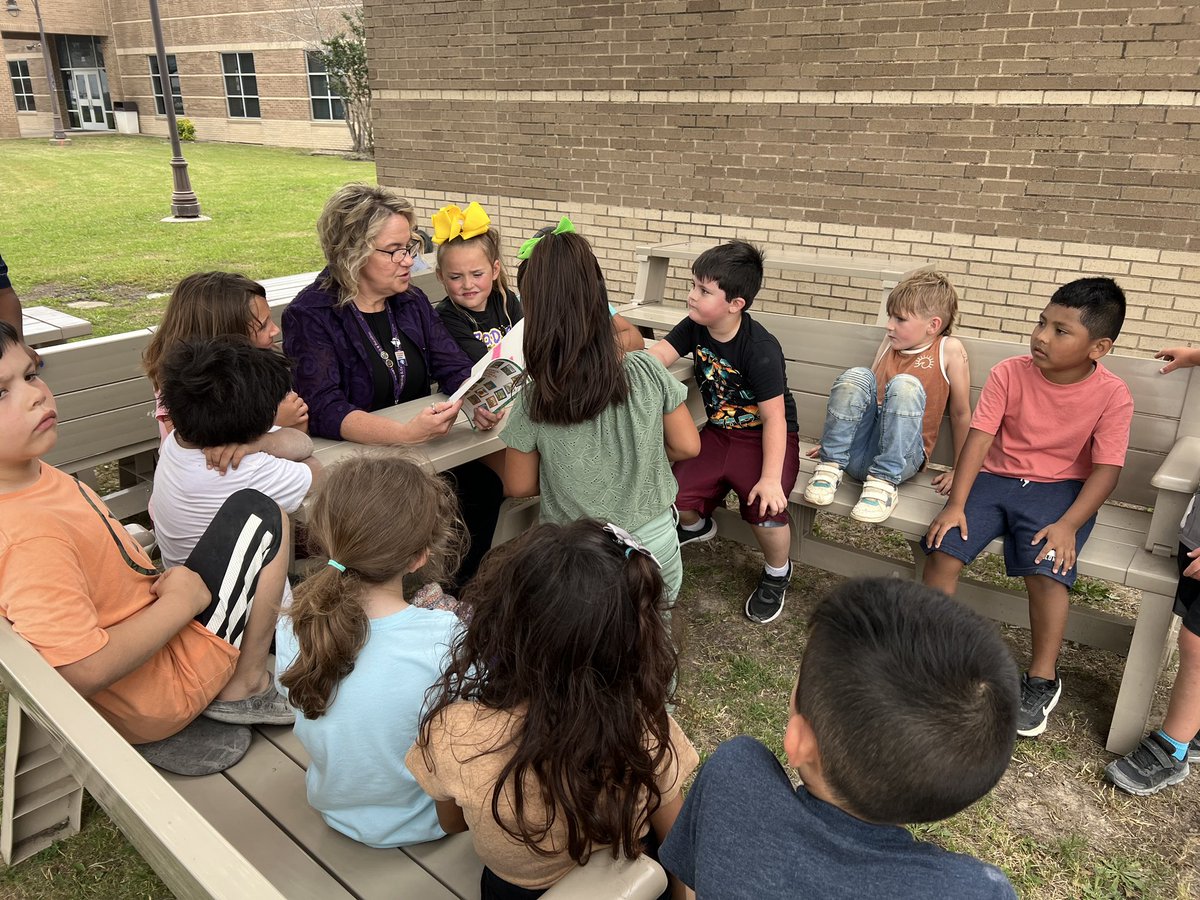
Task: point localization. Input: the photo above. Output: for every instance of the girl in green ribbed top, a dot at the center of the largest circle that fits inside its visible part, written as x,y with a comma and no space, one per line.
597,429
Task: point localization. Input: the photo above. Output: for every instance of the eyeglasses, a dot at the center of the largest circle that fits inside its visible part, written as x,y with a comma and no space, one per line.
411,250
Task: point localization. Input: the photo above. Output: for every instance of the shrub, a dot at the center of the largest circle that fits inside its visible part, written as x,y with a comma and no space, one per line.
186,129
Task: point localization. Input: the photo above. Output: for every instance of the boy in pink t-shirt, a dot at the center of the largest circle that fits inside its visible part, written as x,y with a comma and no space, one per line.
1046,447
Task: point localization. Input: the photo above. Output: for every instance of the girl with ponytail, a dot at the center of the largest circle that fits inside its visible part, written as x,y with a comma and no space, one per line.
548,734
356,657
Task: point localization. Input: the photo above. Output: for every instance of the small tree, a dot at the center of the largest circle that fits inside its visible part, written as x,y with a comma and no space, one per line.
345,58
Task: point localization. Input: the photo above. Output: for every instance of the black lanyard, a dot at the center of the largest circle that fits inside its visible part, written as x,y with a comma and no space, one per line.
398,369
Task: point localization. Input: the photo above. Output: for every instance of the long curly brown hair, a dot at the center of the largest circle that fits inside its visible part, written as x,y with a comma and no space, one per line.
375,514
567,630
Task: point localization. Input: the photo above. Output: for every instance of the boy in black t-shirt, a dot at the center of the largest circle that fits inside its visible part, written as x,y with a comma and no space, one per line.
750,444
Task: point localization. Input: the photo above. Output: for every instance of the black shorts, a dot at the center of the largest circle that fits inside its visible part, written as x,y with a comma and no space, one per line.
1187,594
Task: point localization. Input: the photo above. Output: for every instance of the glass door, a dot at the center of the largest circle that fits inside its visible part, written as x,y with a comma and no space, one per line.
89,95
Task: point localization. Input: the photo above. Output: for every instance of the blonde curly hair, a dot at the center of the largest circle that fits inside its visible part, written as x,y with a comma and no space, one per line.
349,223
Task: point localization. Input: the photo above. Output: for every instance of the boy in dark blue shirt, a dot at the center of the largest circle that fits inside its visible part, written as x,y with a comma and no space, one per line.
905,711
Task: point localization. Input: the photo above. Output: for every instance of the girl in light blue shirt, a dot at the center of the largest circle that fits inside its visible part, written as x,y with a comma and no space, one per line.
356,657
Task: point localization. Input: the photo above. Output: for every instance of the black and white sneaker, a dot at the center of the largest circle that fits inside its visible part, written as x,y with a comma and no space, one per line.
705,533
1149,768
1038,698
766,603
1193,754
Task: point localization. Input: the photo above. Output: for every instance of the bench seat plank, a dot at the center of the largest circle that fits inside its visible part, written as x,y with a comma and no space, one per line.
269,849
276,784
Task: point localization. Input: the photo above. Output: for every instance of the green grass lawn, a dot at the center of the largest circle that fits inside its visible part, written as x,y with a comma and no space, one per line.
81,222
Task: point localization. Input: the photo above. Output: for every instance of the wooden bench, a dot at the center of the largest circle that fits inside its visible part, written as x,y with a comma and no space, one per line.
655,261
45,327
248,832
1130,545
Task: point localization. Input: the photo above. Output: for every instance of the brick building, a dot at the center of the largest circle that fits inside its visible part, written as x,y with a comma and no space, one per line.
242,71
1016,143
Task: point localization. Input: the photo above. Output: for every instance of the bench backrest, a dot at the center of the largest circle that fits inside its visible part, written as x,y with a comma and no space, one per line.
818,350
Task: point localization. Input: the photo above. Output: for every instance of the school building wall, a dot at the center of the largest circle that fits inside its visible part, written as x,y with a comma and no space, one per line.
1017,144
196,32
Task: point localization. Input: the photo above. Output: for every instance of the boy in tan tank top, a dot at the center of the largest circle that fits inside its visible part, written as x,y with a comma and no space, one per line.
882,422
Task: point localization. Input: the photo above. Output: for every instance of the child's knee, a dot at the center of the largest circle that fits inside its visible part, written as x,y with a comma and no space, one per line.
854,386
905,391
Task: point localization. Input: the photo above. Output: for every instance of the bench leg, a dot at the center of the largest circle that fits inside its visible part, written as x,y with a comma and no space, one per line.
651,284
517,515
42,800
1147,653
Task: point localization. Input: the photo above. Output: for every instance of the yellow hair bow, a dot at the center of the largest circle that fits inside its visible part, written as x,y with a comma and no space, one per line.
450,222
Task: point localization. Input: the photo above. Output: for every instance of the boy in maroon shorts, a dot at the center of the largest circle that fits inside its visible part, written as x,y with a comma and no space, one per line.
750,444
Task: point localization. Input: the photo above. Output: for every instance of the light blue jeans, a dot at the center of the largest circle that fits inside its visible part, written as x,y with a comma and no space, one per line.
866,438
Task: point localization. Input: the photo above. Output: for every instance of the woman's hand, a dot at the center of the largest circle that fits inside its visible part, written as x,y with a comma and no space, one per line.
432,421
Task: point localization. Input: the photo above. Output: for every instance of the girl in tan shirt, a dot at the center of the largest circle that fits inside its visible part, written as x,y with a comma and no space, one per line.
548,736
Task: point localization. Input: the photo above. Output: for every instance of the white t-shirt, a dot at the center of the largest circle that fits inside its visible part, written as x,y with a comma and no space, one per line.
187,494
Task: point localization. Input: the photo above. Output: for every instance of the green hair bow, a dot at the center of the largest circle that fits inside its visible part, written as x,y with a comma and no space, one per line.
563,227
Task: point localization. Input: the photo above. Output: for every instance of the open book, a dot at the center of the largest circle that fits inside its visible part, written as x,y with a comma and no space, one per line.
497,377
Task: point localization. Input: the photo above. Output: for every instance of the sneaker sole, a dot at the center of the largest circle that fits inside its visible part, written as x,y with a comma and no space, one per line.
1117,779
816,501
700,538
872,519
766,621
1041,726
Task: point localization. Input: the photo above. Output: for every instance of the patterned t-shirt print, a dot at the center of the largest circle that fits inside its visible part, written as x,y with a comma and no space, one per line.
729,402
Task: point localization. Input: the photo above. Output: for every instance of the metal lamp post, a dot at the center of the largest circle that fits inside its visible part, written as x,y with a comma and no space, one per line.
60,134
184,203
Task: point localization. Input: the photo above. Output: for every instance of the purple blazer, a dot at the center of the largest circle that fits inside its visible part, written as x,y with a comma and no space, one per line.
333,371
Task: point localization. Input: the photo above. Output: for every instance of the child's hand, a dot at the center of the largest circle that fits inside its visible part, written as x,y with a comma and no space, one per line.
486,420
433,421
949,518
771,499
227,456
942,482
1059,546
182,583
1193,570
1178,358
814,453
293,411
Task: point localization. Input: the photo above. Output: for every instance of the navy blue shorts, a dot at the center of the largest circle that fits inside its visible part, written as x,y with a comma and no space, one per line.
1016,510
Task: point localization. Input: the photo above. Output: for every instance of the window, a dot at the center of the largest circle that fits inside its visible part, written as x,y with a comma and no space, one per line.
241,85
156,83
22,84
327,103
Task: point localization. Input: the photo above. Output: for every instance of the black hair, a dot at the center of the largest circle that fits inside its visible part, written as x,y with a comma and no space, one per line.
8,337
736,267
223,390
1101,305
912,699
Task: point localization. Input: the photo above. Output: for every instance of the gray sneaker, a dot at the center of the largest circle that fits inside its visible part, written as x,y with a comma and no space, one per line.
1193,754
267,708
766,603
1148,769
1038,698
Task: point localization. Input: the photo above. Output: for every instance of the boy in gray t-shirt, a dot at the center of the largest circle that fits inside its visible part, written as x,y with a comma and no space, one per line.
905,711
1162,757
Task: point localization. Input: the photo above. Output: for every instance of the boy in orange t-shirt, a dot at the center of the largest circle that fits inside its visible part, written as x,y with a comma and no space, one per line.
1045,449
151,652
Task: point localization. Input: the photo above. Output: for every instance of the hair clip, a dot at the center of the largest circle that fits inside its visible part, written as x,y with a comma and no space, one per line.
450,222
631,544
334,564
564,226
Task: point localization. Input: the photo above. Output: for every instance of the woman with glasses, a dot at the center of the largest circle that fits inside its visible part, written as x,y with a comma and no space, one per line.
363,339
